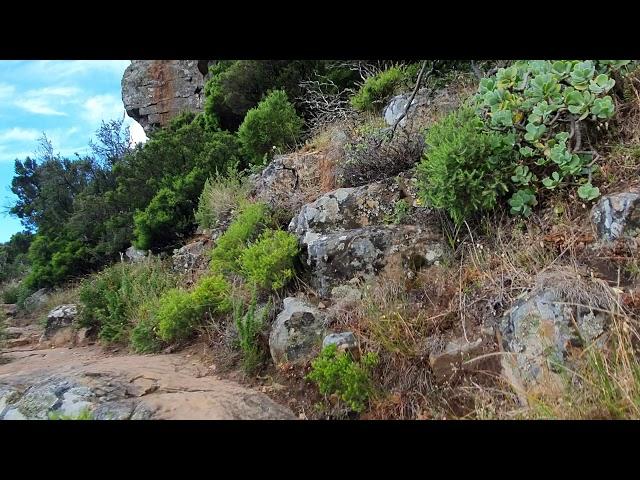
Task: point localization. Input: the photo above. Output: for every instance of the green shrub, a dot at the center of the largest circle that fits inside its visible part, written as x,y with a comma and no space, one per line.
247,225
249,325
378,89
221,195
144,335
10,293
177,316
273,123
465,168
180,312
550,106
337,373
110,300
212,293
269,262
84,414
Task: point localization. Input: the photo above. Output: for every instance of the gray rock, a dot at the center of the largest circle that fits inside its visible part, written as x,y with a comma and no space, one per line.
617,216
539,328
297,331
60,317
36,300
75,401
119,410
9,309
345,341
37,402
189,256
135,255
397,105
155,91
336,258
346,293
346,209
446,363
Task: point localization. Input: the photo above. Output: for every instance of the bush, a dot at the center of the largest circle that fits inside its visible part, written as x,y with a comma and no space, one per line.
465,168
378,89
273,123
372,157
3,328
221,195
144,335
180,312
249,325
111,299
549,108
176,316
10,293
337,373
269,262
247,225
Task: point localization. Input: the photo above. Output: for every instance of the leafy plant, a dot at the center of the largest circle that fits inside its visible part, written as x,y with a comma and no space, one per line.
225,257
465,168
249,325
337,373
84,414
274,123
269,262
377,89
220,196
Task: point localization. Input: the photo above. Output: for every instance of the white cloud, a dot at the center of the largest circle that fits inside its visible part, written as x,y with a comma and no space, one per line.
137,133
6,90
103,107
19,135
43,101
38,106
56,69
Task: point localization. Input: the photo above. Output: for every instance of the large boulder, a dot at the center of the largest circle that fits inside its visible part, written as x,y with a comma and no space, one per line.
59,318
617,216
135,255
297,332
155,91
336,258
561,311
398,104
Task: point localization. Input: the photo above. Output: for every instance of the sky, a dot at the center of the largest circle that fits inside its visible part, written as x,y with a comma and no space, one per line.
66,100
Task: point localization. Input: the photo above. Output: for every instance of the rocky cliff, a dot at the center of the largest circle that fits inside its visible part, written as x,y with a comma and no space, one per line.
154,91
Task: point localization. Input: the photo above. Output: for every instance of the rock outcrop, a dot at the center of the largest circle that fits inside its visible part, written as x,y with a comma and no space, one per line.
59,318
297,332
617,216
155,91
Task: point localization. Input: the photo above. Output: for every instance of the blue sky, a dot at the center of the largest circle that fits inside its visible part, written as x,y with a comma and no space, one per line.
66,99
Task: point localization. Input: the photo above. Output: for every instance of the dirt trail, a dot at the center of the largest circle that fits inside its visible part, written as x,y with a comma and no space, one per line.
69,381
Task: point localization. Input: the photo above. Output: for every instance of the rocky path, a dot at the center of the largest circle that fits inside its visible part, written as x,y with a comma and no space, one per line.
69,382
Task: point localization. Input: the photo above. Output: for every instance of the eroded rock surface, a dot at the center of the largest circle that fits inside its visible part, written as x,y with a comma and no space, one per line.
617,216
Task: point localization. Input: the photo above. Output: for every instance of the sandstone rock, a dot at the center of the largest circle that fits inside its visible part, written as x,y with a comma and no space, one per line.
58,318
617,216
135,255
446,363
297,331
336,258
36,300
155,91
344,342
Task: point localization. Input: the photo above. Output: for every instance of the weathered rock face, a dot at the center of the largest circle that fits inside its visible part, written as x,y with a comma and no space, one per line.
135,255
540,328
340,257
155,91
397,105
344,342
189,257
449,361
617,216
36,299
60,317
346,209
297,331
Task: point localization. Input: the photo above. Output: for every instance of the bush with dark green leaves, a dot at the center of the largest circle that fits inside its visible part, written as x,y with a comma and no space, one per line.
376,90
273,124
269,262
337,373
465,168
249,324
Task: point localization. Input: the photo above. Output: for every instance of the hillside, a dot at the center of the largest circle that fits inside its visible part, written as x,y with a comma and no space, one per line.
333,240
